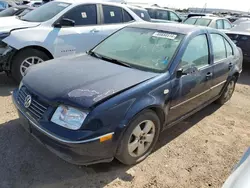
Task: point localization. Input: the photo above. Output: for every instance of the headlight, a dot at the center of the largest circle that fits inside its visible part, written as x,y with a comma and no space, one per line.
68,117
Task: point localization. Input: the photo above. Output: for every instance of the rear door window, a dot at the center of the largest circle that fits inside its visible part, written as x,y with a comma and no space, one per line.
227,25
143,14
112,14
218,45
152,13
228,48
83,15
219,24
162,14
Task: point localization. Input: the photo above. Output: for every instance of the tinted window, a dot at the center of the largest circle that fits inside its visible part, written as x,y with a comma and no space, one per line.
45,12
151,13
126,16
228,48
218,47
143,14
227,25
146,49
162,15
174,17
219,24
196,53
112,14
190,21
83,15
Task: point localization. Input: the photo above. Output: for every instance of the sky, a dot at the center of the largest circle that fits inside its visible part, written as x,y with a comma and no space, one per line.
243,5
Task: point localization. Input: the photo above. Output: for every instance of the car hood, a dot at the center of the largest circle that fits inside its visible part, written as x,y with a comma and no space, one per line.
81,80
8,24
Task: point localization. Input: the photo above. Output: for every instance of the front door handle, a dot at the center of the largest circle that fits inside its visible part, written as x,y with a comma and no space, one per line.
209,75
230,66
94,30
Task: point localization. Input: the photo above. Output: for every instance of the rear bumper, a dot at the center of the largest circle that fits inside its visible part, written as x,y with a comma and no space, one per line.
83,152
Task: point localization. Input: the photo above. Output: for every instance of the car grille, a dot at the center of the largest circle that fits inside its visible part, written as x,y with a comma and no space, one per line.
36,108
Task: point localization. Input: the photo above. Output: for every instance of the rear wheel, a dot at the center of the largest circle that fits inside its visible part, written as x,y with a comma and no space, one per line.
228,92
25,59
140,138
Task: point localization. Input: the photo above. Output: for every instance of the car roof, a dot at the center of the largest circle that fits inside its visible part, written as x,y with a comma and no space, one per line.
92,1
209,17
170,27
157,8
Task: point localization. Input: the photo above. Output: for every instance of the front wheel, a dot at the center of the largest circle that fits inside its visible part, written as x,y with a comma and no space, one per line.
139,139
25,59
228,92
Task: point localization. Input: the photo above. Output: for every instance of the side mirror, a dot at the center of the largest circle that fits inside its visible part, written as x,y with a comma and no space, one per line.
180,20
65,22
180,73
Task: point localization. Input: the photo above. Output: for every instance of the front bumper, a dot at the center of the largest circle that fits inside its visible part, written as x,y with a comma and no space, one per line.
82,152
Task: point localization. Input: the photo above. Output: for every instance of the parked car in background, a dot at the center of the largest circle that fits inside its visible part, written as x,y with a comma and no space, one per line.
240,20
56,29
240,177
115,100
18,10
240,35
210,21
160,14
36,3
141,12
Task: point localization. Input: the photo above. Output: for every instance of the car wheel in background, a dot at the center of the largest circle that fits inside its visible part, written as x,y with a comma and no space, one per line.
24,59
140,138
228,92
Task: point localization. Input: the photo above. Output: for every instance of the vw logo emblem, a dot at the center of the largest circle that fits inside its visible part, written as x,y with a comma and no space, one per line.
27,101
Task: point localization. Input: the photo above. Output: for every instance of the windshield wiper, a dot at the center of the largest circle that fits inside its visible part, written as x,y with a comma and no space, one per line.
119,62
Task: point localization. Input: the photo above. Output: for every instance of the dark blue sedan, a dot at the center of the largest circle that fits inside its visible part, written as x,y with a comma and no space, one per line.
115,100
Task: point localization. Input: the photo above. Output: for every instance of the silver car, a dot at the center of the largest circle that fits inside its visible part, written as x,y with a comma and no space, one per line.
240,178
210,21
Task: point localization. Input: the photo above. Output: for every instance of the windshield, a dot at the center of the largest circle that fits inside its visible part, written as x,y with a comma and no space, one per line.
8,12
45,12
145,49
198,21
143,14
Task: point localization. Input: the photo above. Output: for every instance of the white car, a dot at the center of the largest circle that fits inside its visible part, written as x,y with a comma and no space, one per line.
56,29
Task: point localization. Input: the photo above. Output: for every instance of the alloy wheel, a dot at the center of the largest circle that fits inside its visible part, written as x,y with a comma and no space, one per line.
141,138
29,62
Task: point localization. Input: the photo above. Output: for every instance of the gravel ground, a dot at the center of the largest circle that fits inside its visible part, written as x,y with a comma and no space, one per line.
199,152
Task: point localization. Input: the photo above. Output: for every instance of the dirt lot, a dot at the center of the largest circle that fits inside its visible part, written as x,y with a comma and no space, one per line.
199,152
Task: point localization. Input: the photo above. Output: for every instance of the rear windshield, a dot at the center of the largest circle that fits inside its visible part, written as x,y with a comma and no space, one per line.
143,14
45,12
198,21
144,49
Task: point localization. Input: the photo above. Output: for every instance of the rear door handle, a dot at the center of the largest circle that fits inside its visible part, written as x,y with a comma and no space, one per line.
209,75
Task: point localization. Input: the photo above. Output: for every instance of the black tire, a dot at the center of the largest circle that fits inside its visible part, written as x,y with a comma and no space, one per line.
20,57
226,96
123,153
